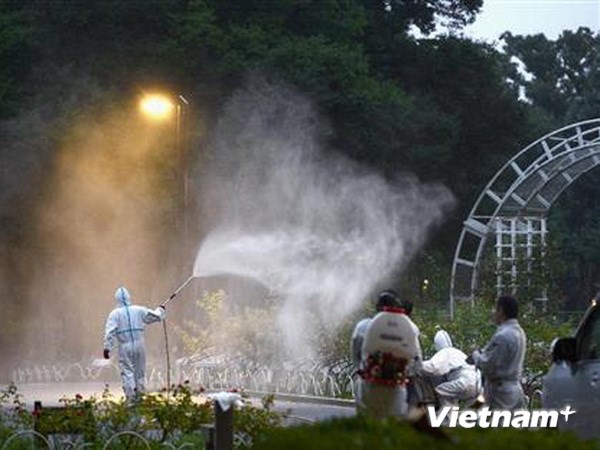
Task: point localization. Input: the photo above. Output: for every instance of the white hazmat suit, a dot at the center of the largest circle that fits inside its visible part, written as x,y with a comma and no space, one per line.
126,324
460,380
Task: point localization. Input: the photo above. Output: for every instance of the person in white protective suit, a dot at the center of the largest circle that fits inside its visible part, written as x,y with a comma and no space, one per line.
385,350
126,325
457,380
501,360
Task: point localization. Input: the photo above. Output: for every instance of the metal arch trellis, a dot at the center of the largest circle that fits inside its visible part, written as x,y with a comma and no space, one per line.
526,186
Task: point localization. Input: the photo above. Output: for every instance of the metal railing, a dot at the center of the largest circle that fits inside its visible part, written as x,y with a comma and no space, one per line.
300,377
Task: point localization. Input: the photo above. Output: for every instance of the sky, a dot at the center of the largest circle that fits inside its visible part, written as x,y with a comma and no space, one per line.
550,17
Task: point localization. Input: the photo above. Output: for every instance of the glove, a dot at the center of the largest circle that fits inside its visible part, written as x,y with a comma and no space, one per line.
106,353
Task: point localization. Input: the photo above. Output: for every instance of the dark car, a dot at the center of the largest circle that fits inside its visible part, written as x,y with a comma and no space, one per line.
574,377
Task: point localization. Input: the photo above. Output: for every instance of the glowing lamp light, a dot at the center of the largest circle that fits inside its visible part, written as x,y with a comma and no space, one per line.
157,107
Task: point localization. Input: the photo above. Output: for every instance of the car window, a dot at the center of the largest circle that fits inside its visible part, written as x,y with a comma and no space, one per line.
588,341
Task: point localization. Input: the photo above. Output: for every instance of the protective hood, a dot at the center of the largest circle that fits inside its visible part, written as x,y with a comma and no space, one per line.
442,340
122,297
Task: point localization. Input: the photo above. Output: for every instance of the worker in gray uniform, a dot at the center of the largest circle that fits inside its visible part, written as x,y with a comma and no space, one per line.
501,360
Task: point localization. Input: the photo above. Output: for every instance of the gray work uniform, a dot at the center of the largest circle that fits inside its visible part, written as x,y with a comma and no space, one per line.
501,362
356,342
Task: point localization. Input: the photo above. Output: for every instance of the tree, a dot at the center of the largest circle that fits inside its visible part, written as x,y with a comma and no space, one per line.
563,86
573,225
467,121
436,107
15,56
397,16
564,73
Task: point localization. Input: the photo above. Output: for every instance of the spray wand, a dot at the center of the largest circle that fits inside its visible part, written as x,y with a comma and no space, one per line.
178,290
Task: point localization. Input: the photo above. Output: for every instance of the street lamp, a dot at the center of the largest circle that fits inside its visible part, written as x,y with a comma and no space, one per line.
157,106
160,107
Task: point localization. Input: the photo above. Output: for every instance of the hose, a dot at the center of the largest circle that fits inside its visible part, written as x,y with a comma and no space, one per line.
164,321
168,358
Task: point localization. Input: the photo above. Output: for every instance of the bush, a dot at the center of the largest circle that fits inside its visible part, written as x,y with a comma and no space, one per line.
362,433
159,419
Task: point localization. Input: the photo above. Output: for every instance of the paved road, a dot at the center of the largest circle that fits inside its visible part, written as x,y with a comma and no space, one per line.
301,409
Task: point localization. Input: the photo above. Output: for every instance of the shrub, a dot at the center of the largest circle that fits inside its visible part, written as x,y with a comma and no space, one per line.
362,433
160,419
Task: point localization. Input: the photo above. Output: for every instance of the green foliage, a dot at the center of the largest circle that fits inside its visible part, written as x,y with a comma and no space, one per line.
536,276
323,48
176,412
465,83
574,230
361,433
335,73
354,58
470,329
426,280
395,17
76,416
565,71
541,330
172,418
250,333
244,48
15,55
197,337
333,344
563,87
250,423
15,411
191,32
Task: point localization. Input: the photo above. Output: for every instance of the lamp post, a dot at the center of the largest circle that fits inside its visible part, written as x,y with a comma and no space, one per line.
183,145
160,108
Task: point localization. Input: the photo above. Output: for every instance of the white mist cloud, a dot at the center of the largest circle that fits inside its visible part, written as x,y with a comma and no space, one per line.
316,228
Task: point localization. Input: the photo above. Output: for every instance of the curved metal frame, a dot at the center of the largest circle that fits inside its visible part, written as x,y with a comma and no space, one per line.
526,186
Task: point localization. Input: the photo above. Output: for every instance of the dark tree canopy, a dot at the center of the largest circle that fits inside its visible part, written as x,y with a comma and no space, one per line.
444,108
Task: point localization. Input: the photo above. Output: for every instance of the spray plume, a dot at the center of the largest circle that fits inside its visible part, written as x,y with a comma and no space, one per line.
315,228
